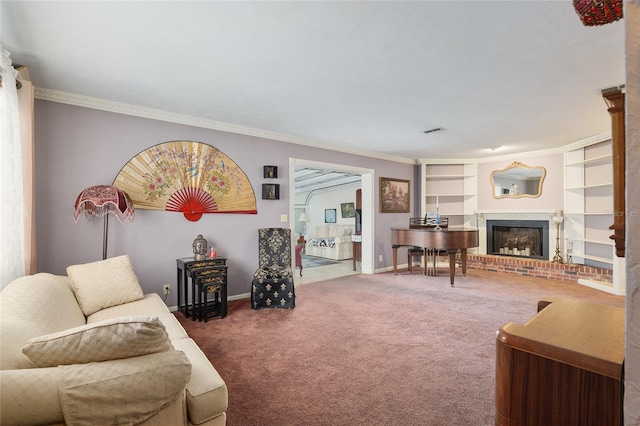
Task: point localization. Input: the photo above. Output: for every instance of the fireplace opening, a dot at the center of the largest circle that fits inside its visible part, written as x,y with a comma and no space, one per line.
519,238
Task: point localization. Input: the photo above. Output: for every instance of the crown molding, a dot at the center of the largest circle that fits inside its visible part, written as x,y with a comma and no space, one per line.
540,153
187,120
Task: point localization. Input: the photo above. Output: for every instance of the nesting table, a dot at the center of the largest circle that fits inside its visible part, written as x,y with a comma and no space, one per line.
204,277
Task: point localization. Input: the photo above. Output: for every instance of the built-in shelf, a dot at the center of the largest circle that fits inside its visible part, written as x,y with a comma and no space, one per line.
603,159
585,228
600,259
448,176
598,185
586,240
453,186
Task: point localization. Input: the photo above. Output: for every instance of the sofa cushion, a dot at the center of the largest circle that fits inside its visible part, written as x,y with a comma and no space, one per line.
107,340
125,391
105,283
151,304
31,306
207,396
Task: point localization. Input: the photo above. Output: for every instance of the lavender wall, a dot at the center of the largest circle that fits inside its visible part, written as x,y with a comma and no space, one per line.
78,147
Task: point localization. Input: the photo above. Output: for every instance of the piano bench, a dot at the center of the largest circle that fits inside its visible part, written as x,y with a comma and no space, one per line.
411,254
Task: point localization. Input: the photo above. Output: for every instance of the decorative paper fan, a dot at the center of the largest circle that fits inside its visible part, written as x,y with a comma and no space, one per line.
188,177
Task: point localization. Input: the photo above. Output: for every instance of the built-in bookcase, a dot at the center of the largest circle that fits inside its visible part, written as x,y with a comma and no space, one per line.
589,207
452,188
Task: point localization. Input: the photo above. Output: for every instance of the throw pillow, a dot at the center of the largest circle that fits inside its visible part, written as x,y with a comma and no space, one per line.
105,283
123,392
117,338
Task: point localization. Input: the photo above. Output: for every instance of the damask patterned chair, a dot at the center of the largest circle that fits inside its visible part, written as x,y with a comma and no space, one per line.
272,285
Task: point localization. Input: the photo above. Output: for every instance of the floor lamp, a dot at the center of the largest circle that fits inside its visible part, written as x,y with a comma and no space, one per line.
558,218
101,201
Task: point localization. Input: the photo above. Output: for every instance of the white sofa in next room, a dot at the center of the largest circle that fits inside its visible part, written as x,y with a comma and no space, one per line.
330,241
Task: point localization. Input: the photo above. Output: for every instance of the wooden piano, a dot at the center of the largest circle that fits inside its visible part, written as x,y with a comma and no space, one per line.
448,239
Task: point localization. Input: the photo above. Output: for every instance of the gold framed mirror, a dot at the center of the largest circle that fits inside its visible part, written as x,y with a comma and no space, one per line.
517,180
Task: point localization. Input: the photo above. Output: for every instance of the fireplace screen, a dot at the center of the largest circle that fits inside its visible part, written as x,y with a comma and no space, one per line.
518,238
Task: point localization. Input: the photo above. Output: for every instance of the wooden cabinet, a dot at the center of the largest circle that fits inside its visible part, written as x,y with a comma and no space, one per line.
563,367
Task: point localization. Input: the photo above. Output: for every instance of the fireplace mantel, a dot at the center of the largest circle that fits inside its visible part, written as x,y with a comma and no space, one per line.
512,215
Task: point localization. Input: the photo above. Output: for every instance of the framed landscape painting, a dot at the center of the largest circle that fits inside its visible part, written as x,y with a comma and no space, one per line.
348,210
395,195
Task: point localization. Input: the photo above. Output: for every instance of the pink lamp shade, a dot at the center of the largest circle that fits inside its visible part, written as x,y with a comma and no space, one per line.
598,12
101,201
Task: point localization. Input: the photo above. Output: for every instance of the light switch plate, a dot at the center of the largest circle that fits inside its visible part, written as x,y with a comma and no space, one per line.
283,218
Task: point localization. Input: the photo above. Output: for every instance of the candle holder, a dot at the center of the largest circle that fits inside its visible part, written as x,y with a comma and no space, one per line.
558,218
437,228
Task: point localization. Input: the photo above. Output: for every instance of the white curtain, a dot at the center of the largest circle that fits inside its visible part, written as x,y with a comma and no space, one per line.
12,257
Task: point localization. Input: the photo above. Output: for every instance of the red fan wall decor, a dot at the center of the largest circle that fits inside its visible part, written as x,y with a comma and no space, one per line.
188,177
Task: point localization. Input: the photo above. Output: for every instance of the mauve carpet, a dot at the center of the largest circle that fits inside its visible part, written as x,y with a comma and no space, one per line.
378,349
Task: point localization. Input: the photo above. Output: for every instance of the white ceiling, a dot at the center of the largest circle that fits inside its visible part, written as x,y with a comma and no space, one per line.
308,179
500,77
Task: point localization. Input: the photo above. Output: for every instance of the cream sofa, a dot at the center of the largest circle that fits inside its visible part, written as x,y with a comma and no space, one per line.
330,241
90,348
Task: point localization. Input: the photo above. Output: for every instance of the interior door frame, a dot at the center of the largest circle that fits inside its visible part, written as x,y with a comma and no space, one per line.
367,177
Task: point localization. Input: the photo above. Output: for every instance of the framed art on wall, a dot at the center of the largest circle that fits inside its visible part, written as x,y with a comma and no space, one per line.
330,215
348,210
270,191
270,172
395,195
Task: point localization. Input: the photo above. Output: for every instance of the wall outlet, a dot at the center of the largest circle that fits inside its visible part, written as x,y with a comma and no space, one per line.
380,258
166,289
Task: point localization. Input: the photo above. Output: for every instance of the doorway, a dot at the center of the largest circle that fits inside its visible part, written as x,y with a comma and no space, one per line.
367,177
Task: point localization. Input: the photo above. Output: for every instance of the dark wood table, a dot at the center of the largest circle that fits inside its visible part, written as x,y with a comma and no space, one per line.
186,269
356,249
449,239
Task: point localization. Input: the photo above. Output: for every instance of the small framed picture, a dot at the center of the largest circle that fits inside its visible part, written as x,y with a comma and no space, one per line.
270,172
330,215
270,191
348,210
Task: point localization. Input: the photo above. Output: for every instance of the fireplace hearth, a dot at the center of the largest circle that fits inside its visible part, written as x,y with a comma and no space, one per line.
519,238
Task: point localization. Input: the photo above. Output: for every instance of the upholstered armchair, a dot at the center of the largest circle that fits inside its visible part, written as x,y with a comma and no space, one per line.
272,285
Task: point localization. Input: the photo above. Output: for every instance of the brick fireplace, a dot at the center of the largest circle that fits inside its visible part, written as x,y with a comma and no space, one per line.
538,261
537,268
